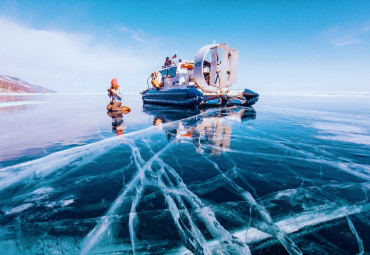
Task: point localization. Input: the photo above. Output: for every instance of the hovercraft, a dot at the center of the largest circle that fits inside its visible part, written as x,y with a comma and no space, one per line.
206,81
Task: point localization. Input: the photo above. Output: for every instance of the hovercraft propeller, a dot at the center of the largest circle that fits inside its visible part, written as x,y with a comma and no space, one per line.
216,75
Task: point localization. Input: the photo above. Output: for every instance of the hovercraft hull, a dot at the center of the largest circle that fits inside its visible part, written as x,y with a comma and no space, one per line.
192,98
250,97
188,97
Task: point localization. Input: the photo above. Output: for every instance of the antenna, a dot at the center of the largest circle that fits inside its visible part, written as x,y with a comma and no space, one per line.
214,41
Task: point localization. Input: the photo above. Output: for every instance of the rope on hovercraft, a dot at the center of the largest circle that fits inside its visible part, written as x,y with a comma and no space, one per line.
147,80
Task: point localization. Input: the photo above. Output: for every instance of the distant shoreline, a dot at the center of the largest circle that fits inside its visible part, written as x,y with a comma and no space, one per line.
318,94
68,93
269,93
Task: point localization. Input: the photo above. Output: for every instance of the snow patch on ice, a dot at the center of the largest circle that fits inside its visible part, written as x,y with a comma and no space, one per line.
350,138
19,209
43,190
17,103
339,127
342,132
67,202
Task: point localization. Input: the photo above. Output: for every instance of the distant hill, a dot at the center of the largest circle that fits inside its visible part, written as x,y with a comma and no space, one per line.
15,85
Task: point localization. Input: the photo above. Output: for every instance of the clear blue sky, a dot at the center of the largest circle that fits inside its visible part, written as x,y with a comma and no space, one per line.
284,45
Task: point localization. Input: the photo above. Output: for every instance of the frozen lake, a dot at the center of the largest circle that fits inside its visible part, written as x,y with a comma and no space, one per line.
291,175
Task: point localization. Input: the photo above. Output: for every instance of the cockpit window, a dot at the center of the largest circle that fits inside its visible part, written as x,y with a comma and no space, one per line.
172,72
164,72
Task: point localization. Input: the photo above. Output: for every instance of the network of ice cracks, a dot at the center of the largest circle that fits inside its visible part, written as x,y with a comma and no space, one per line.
45,213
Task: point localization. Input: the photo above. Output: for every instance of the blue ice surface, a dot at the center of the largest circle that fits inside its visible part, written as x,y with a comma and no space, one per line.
290,175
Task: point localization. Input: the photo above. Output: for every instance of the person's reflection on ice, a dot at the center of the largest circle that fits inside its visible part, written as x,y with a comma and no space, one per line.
118,124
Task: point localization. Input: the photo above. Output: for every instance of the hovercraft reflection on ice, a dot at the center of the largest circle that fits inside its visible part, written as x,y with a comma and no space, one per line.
204,81
209,131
